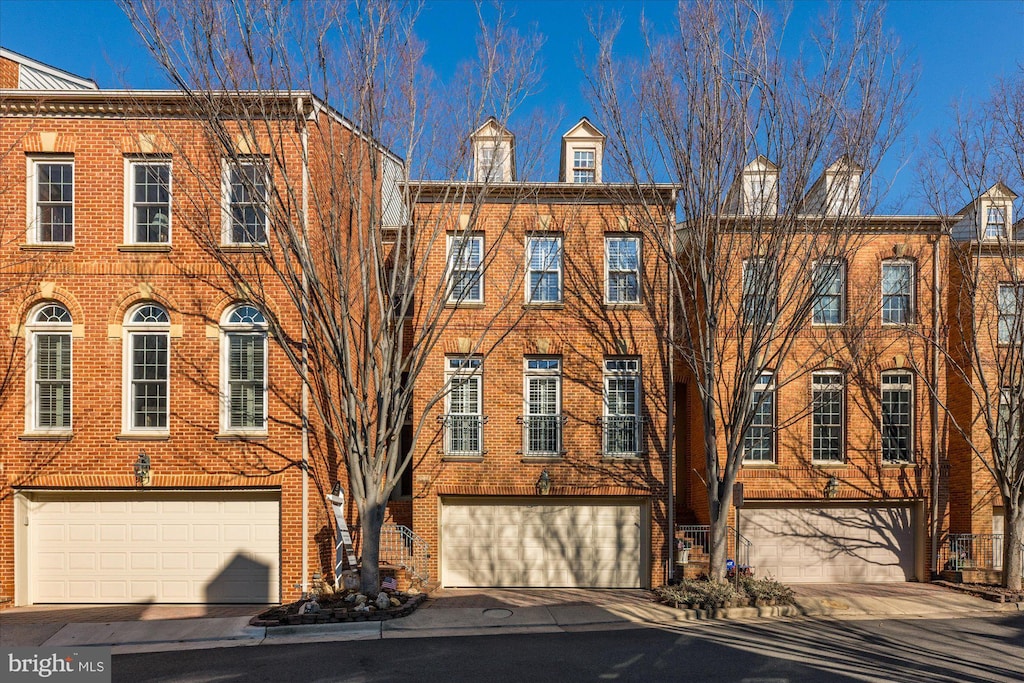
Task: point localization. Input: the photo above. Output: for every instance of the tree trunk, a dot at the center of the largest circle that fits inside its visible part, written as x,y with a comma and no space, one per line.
1013,535
719,541
370,521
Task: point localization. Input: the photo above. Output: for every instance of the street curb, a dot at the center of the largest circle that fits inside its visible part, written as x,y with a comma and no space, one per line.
363,627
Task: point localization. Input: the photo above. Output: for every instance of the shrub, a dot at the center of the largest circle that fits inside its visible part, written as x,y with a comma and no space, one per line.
766,590
699,594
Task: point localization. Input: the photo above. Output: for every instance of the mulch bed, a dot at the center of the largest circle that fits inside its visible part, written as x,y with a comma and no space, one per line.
986,591
336,610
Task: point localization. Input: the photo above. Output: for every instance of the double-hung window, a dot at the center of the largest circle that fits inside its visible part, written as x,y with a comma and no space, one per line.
49,369
759,439
1010,300
53,192
247,197
544,270
827,407
149,190
465,269
759,288
897,292
622,276
147,368
542,421
897,417
244,370
1009,423
622,419
995,223
464,403
584,166
829,282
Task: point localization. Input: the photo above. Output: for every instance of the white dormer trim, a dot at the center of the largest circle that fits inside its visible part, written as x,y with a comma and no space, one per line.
755,192
493,153
837,191
584,141
974,224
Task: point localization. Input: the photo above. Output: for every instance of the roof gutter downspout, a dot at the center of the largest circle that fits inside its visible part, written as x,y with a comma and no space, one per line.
934,494
671,356
304,138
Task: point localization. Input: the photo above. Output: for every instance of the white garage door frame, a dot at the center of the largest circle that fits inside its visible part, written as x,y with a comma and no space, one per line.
878,562
29,500
640,505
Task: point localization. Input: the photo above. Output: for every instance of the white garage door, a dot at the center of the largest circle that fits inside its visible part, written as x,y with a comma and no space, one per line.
541,546
154,546
841,544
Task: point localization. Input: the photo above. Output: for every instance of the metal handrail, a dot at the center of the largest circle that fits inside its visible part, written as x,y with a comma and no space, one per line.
974,551
699,536
401,546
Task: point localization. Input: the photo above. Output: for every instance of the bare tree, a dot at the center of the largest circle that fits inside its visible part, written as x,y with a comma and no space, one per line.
976,163
742,123
341,245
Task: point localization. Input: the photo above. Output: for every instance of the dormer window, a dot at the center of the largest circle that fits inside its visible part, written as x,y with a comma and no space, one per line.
584,166
488,167
995,223
582,148
493,153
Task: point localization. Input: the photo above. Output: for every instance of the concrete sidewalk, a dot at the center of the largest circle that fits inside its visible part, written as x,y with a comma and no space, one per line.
452,612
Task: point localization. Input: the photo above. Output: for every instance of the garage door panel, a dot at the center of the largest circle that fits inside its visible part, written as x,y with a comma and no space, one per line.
831,543
172,547
549,545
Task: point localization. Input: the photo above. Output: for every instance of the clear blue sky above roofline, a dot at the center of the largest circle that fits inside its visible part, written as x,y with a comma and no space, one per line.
960,48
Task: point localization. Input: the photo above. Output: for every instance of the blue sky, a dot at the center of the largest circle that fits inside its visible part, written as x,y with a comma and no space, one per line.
961,48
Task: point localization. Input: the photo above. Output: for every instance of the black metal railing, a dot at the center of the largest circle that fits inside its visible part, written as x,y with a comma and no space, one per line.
542,434
622,434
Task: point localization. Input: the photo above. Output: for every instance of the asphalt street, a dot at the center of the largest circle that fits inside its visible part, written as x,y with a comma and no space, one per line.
763,651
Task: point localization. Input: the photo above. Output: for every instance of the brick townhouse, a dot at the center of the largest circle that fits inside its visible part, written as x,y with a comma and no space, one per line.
550,461
152,441
839,461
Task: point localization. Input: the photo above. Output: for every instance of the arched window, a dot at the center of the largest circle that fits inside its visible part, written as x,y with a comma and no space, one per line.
147,368
48,360
243,370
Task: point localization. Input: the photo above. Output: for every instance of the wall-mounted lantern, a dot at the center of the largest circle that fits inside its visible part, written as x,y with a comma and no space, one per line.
543,483
831,487
142,470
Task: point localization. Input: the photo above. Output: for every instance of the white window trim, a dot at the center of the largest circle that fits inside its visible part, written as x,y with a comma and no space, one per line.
534,373
450,270
841,390
841,263
592,168
1018,298
227,165
637,376
226,330
129,197
909,377
912,299
130,330
607,270
528,293
1004,233
773,390
31,209
747,314
32,329
451,373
